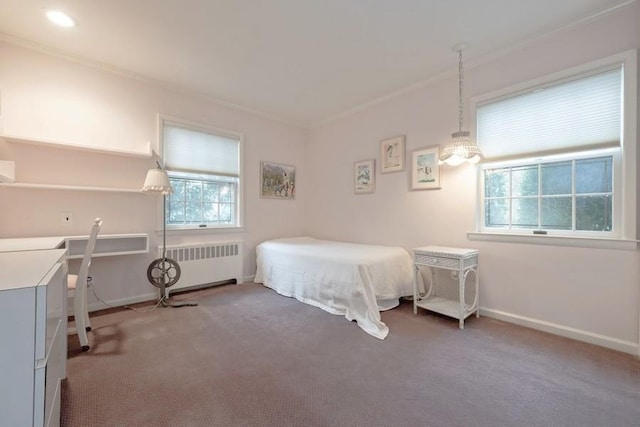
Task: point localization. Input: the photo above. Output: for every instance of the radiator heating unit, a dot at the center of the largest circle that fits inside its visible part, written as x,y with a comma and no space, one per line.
206,263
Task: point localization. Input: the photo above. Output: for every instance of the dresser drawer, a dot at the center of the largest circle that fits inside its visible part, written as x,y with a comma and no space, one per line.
430,260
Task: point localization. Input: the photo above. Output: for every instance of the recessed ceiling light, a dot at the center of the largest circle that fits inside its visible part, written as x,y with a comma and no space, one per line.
61,19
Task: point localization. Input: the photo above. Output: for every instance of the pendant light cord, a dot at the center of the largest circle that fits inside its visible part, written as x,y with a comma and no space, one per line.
460,82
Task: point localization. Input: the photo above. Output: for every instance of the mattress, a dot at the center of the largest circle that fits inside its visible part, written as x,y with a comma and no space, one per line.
349,279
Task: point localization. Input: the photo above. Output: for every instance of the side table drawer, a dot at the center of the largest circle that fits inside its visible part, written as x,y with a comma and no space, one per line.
422,259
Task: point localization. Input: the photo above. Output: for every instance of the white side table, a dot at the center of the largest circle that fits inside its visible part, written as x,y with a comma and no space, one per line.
460,262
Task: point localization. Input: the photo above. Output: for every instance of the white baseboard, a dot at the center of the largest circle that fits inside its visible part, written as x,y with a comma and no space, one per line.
248,279
97,305
564,331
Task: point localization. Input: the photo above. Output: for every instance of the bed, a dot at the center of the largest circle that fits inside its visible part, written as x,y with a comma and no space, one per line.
350,279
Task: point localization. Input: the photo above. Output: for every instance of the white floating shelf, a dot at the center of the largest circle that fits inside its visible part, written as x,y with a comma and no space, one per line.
60,144
69,187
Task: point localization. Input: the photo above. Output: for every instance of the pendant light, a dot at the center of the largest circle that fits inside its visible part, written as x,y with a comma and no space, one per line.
461,148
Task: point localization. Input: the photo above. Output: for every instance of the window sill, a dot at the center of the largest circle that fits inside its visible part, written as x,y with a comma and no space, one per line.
200,231
576,242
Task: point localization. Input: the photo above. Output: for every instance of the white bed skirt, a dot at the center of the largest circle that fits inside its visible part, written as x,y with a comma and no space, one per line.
348,279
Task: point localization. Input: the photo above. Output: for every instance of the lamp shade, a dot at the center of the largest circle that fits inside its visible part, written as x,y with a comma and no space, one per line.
461,149
157,182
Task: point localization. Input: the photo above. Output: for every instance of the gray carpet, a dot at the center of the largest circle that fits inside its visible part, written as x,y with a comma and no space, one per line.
247,356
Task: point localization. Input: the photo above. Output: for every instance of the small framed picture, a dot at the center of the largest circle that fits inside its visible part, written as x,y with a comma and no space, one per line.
425,171
392,154
277,181
364,176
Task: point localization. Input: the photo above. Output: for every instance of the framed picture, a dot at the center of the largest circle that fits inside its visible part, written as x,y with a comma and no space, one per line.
364,176
277,181
392,154
425,171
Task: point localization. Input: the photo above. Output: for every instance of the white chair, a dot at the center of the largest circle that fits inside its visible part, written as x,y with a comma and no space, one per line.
77,288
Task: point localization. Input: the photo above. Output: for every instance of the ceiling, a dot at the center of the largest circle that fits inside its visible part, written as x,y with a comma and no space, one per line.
300,61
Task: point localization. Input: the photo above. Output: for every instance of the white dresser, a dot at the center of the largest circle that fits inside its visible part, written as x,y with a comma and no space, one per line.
33,324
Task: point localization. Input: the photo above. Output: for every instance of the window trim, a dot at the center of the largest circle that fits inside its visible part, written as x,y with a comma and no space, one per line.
240,201
625,174
576,242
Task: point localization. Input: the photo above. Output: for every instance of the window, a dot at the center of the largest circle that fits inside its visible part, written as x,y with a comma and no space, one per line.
202,200
559,158
204,169
572,195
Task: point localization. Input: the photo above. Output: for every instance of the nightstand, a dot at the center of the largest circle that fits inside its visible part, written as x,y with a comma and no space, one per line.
460,262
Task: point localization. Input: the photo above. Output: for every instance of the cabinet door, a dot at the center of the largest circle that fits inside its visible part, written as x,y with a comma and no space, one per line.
52,292
17,335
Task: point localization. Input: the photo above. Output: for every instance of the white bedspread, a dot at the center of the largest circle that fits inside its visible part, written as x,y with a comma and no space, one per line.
349,279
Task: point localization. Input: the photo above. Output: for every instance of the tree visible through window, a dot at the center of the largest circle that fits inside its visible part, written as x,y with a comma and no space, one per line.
198,201
562,195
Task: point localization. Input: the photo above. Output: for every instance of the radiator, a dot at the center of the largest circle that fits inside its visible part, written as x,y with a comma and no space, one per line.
206,263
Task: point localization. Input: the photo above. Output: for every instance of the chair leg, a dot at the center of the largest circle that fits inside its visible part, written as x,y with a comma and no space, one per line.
79,310
85,309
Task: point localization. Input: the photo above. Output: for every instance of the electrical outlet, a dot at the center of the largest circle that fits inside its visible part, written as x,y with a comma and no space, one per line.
66,218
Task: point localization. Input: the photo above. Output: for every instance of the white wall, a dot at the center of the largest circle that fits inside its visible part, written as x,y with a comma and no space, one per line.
49,98
590,294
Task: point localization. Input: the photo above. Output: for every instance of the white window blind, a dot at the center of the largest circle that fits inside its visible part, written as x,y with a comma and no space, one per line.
192,151
580,113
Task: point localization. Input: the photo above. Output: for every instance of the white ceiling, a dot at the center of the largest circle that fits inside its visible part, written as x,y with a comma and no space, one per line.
301,61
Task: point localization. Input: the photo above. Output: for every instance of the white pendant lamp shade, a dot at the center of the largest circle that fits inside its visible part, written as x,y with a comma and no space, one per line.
461,148
157,182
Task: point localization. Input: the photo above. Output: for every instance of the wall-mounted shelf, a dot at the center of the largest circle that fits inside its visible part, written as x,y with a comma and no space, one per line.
68,187
147,153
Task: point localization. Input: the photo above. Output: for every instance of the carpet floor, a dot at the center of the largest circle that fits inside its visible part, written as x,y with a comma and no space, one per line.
246,356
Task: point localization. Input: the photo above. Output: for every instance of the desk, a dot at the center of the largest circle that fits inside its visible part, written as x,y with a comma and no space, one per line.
106,245
33,320
32,244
